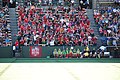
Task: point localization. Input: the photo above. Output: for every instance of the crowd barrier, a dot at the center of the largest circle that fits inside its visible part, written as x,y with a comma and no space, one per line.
43,51
5,52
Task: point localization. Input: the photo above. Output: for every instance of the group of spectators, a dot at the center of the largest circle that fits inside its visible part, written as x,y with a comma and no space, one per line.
77,53
108,22
54,26
5,31
50,2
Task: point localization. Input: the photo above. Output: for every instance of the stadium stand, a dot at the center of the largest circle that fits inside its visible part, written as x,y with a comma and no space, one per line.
42,24
108,22
5,30
54,26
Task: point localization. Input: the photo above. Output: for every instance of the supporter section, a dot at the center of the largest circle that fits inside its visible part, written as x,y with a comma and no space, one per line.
54,26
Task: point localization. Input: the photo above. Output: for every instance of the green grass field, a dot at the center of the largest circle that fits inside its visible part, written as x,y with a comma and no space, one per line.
59,60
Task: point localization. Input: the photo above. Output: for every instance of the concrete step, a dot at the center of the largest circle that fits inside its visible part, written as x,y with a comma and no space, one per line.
14,27
13,19
13,24
93,25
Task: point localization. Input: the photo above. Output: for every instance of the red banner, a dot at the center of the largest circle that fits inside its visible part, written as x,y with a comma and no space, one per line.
35,51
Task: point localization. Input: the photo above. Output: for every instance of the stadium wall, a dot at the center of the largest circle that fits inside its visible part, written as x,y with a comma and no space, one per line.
5,52
112,50
46,50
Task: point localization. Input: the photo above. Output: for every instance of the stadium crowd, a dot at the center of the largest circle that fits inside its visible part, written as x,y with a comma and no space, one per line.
54,26
5,31
108,22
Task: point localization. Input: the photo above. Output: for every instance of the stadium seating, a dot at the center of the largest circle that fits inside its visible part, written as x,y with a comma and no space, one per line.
5,31
108,22
59,24
54,26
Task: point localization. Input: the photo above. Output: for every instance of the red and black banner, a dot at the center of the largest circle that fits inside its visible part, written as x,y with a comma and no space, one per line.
35,51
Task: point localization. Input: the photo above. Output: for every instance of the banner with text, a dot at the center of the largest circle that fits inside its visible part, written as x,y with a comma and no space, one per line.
35,51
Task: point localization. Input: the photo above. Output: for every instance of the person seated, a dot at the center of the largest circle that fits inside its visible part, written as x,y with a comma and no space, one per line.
98,53
86,53
55,53
93,53
74,53
67,52
70,53
59,53
78,53
63,53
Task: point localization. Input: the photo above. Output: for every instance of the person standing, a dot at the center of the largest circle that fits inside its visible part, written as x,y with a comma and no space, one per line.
16,45
14,50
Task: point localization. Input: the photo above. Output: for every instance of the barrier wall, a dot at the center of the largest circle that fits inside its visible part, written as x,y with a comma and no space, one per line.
5,52
46,50
112,50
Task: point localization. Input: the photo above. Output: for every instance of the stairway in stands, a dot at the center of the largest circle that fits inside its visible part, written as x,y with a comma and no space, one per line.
93,25
13,24
0,3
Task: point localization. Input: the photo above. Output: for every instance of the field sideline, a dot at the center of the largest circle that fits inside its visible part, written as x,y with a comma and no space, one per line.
59,60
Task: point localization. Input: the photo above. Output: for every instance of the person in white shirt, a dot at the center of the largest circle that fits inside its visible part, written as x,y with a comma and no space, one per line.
89,40
14,49
72,2
50,2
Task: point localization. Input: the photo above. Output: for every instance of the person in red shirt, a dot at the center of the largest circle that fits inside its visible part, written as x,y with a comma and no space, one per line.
22,28
22,16
22,42
94,40
26,20
31,12
82,34
17,44
76,41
